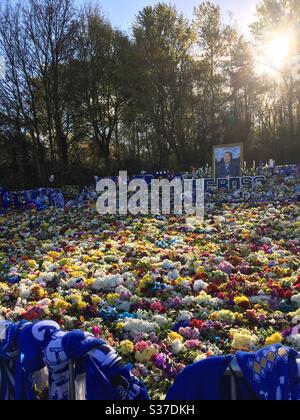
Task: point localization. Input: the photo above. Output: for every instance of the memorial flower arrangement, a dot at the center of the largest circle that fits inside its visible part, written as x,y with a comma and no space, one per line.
165,294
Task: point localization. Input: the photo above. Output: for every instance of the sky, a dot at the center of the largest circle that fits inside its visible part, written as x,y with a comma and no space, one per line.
122,12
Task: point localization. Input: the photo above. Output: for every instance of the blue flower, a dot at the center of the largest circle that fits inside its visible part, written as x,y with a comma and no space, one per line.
158,286
108,313
14,279
181,324
127,315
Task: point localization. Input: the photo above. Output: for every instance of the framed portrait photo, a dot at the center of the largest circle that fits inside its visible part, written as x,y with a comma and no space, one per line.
228,160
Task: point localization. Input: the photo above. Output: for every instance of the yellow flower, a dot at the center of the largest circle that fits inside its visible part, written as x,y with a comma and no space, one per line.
38,292
297,313
239,317
243,340
96,300
75,298
200,270
89,282
126,347
81,306
4,287
120,325
32,264
223,316
241,300
64,261
146,355
54,255
112,298
274,339
173,336
97,254
61,304
246,234
180,280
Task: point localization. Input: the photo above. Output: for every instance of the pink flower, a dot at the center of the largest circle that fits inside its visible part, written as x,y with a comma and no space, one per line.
226,267
96,331
262,318
189,333
157,307
192,344
142,345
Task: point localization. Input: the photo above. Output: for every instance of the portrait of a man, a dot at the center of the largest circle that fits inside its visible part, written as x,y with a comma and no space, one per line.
228,160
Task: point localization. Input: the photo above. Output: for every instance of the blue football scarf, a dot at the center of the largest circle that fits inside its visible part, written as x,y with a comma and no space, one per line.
107,378
10,368
32,339
201,381
44,344
272,373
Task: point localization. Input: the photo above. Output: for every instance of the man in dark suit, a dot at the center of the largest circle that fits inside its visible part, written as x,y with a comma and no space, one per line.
228,168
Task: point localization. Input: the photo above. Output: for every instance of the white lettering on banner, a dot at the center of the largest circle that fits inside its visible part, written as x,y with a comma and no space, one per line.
39,330
236,183
3,329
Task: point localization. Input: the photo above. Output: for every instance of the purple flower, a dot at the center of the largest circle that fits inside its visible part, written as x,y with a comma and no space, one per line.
286,333
160,361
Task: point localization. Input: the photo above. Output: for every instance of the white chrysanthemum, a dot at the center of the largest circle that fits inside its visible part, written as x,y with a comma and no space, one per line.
141,314
137,326
200,285
188,300
184,316
45,303
123,290
24,291
259,299
124,306
107,283
294,341
69,284
296,299
177,347
161,320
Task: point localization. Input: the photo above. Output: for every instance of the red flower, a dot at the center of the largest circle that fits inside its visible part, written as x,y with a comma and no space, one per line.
288,294
157,307
196,323
33,313
297,283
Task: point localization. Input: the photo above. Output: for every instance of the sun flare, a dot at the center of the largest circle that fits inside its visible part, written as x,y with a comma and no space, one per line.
274,54
278,50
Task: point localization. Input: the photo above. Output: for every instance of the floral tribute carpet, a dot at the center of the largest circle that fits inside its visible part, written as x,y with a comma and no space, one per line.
162,292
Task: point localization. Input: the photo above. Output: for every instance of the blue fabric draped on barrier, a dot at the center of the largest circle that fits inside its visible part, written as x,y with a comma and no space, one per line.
38,199
270,374
26,348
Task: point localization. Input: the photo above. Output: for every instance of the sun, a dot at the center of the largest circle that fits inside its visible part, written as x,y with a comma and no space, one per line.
274,54
278,49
